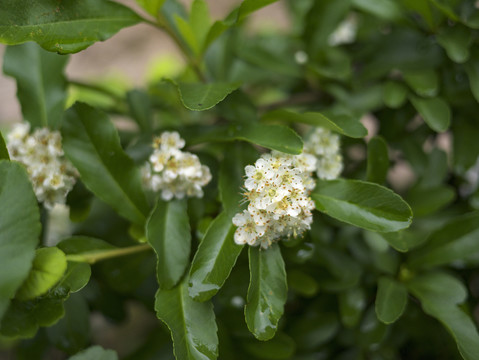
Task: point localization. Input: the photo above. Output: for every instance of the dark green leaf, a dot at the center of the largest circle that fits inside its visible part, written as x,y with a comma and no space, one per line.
92,144
394,94
3,149
83,245
314,329
267,291
192,324
48,268
140,109
440,294
391,300
403,240
19,229
444,6
199,97
279,348
168,232
435,112
41,85
64,28
214,259
456,41
427,200
366,205
465,145
385,9
302,283
95,353
472,69
424,82
351,306
75,278
378,160
342,123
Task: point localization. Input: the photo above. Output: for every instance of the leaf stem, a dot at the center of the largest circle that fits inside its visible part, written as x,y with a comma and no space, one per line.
93,257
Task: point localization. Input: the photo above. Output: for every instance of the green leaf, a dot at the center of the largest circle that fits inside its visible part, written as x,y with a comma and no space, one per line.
249,6
200,21
199,97
19,229
214,259
394,94
48,268
140,109
472,69
65,27
41,85
267,291
366,205
385,9
279,348
391,300
351,306
428,200
340,123
168,232
84,245
435,112
95,353
3,149
192,324
457,240
151,6
75,278
424,82
378,160
456,41
403,240
314,329
444,6
465,145
92,144
302,283
440,294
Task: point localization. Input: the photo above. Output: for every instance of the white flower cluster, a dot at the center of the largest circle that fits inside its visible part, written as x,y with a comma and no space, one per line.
51,174
345,33
176,173
325,146
277,188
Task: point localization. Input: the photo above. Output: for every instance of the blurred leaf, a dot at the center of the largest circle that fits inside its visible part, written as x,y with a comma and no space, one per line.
41,85
456,41
302,283
168,232
192,324
200,21
457,240
151,6
465,145
79,201
63,28
385,9
3,149
424,82
249,6
366,205
394,94
403,240
391,300
378,160
92,144
444,6
140,109
472,69
427,200
371,332
48,268
351,306
435,112
214,259
95,353
342,124
314,329
199,97
19,229
279,348
440,293
267,291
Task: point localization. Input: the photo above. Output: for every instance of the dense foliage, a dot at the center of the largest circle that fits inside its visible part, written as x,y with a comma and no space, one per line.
387,269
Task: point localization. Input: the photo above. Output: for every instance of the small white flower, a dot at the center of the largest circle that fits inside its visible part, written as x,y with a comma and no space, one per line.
329,167
345,33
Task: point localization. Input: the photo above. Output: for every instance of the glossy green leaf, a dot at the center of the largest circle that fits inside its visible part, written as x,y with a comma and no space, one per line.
92,144
168,232
435,112
19,229
95,353
214,259
440,294
48,268
385,9
472,69
403,240
378,160
199,97
3,149
457,240
391,300
351,306
63,28
340,123
41,85
192,324
366,205
279,348
424,82
456,41
151,6
427,200
75,277
140,109
267,291
394,94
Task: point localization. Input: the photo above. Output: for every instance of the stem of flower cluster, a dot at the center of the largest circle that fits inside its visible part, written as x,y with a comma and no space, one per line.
93,257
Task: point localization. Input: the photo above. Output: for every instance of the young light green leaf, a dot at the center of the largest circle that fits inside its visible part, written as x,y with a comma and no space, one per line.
391,300
192,324
340,123
186,33
424,82
249,6
3,149
267,291
19,229
378,160
95,353
199,97
435,112
456,41
92,144
168,232
67,27
151,6
366,205
440,294
200,21
41,85
394,94
48,268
